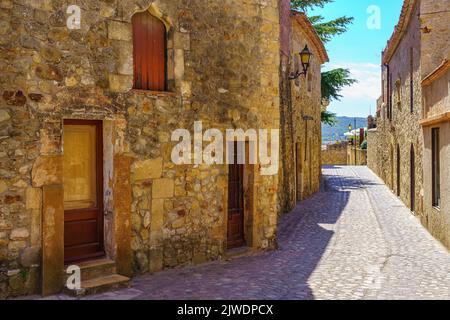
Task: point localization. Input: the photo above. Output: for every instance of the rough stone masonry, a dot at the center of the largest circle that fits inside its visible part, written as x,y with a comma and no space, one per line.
222,69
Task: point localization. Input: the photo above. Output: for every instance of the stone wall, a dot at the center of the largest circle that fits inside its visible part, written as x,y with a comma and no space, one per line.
436,112
373,158
356,157
427,35
223,69
404,131
335,154
300,118
435,42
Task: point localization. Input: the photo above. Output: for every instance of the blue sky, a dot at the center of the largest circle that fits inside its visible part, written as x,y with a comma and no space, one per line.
360,51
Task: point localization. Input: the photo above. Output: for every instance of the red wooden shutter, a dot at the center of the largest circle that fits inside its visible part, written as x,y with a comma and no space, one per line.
149,52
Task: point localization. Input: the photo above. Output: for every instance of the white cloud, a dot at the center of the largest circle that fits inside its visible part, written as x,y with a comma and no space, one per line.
369,80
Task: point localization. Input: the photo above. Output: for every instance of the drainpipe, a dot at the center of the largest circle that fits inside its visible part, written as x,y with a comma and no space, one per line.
388,93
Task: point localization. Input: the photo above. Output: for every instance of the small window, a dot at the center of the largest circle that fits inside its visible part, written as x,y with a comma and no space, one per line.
436,168
149,52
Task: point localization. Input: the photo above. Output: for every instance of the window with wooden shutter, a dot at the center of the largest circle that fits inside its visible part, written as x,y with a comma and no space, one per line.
149,52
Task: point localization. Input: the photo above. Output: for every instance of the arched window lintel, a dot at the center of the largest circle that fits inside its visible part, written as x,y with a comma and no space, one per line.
157,13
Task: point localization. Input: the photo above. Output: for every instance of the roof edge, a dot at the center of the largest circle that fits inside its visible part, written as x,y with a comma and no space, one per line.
400,29
312,34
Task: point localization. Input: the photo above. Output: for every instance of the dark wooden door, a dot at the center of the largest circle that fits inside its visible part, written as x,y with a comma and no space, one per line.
83,190
149,52
298,171
399,182
235,205
413,179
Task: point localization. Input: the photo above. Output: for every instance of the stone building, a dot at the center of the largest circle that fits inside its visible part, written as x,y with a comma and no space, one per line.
301,140
86,169
435,118
399,149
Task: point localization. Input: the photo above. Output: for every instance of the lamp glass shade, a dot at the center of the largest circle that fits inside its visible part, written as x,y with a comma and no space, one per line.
305,56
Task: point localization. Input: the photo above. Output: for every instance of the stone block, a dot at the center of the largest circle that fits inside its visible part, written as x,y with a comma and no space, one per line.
30,257
147,220
16,245
47,170
157,221
179,64
35,236
118,30
122,206
179,223
48,72
33,198
53,239
19,234
155,260
125,65
147,169
182,41
4,116
163,188
3,186
120,83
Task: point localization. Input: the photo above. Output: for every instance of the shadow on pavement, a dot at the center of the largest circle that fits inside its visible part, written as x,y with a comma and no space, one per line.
306,239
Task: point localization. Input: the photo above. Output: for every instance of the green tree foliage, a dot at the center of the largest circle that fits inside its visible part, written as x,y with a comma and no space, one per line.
333,81
327,30
304,5
329,118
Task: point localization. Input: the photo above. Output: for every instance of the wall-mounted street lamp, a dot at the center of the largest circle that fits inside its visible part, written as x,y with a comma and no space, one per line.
305,58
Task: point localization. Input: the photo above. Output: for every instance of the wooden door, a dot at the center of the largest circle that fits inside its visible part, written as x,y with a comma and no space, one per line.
399,183
83,190
235,204
413,179
298,171
149,52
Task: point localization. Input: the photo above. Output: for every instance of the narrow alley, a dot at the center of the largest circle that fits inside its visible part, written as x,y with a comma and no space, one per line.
353,240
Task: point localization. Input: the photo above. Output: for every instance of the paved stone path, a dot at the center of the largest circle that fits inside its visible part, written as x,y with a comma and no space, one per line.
353,240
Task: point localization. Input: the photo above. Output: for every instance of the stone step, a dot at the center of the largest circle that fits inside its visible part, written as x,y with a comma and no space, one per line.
238,253
97,268
94,268
101,284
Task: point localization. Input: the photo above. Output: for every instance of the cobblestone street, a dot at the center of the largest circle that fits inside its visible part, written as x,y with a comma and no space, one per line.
353,240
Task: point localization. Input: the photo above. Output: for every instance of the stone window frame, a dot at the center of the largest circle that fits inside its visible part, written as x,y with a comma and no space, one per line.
149,57
120,34
47,183
252,220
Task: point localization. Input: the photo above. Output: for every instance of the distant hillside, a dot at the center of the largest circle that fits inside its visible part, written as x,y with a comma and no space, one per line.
336,133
